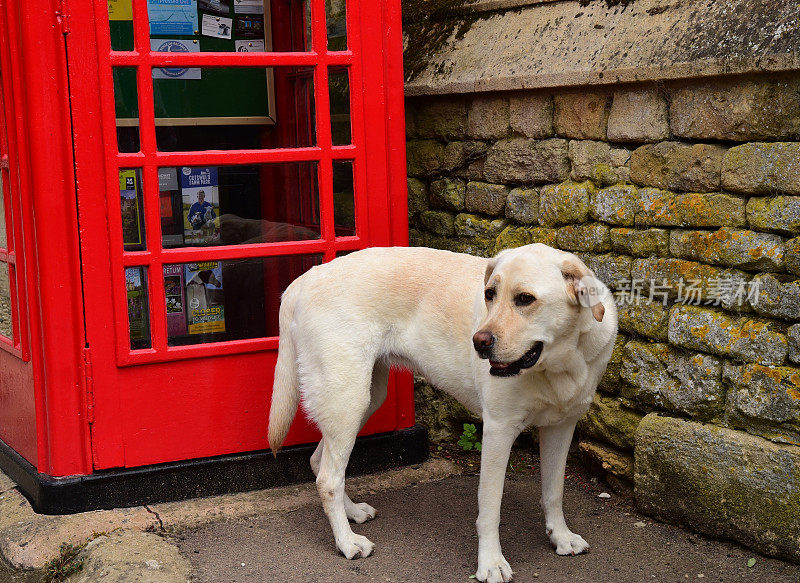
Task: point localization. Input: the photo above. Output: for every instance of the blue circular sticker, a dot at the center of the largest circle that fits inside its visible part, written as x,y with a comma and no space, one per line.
173,46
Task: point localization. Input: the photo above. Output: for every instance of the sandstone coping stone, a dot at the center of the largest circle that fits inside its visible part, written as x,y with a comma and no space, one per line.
522,205
658,376
737,109
762,168
612,269
609,421
609,459
424,157
793,335
531,114
448,193
721,482
662,208
438,222
598,162
443,118
615,205
678,166
640,242
646,318
638,115
778,214
513,237
524,160
777,296
765,400
565,203
489,199
610,381
582,115
591,237
488,117
740,337
467,225
729,247
417,196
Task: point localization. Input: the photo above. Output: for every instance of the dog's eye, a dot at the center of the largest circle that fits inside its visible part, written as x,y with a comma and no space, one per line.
489,294
524,299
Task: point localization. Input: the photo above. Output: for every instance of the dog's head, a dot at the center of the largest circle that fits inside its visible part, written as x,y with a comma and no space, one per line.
538,300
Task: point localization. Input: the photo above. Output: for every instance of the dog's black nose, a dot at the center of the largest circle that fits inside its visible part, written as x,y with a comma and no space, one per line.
483,341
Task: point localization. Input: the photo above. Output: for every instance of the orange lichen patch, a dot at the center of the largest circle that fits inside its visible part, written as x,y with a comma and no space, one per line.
756,252
794,378
699,331
772,373
794,394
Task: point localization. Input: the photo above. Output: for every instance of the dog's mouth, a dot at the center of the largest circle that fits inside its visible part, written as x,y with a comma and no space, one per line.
510,369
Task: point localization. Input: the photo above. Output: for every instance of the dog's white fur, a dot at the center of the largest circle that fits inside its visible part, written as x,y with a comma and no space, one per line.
343,324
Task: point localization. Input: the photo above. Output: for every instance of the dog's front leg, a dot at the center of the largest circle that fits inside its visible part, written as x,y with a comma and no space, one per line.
498,438
554,442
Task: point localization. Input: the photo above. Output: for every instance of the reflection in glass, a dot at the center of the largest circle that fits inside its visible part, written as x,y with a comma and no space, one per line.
214,301
336,22
238,205
132,209
138,311
120,17
6,325
126,106
3,236
344,212
339,87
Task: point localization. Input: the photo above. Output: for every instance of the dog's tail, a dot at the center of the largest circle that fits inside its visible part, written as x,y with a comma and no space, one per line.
285,390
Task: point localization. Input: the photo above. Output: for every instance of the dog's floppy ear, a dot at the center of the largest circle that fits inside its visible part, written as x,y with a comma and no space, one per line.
489,270
581,287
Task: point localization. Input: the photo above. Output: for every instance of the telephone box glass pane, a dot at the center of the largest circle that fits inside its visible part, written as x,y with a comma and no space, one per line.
126,106
339,90
138,309
216,301
336,22
344,211
6,325
3,197
131,204
120,21
205,206
224,108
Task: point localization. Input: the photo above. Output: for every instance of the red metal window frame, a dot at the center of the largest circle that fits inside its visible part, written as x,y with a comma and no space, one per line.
149,159
9,167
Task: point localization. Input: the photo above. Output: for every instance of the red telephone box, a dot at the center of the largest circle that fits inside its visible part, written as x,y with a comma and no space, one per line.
168,167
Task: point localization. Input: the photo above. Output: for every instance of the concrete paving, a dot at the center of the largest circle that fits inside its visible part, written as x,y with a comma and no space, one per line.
424,532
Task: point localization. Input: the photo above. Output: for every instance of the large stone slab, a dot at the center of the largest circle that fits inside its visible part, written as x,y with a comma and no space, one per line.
721,482
758,168
678,166
609,421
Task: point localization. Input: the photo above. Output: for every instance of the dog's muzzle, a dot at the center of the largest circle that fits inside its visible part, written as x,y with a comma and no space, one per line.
510,369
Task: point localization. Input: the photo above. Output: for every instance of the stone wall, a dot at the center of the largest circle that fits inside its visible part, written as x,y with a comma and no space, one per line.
684,198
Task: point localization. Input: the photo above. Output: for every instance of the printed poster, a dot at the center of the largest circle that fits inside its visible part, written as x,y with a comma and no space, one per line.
138,319
216,6
175,45
248,6
217,26
250,26
120,10
204,297
131,208
174,290
200,192
172,17
250,46
170,207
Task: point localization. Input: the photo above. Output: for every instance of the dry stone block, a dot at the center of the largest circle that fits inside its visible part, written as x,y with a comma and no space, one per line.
640,242
489,199
722,482
749,339
591,237
467,225
658,376
758,168
793,335
424,157
609,421
512,237
522,160
438,222
598,162
488,118
638,115
562,204
417,196
443,118
609,268
441,414
779,214
645,318
777,296
448,193
610,381
522,205
765,400
729,247
615,205
737,110
531,114
582,115
791,255
677,166
608,459
662,208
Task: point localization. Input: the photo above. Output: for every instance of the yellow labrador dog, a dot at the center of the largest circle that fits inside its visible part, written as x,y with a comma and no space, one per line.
521,339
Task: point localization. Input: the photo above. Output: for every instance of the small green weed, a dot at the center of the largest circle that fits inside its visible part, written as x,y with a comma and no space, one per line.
65,564
469,439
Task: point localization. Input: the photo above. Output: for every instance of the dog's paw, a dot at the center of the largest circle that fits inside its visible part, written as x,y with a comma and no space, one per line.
495,570
360,512
568,543
355,546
